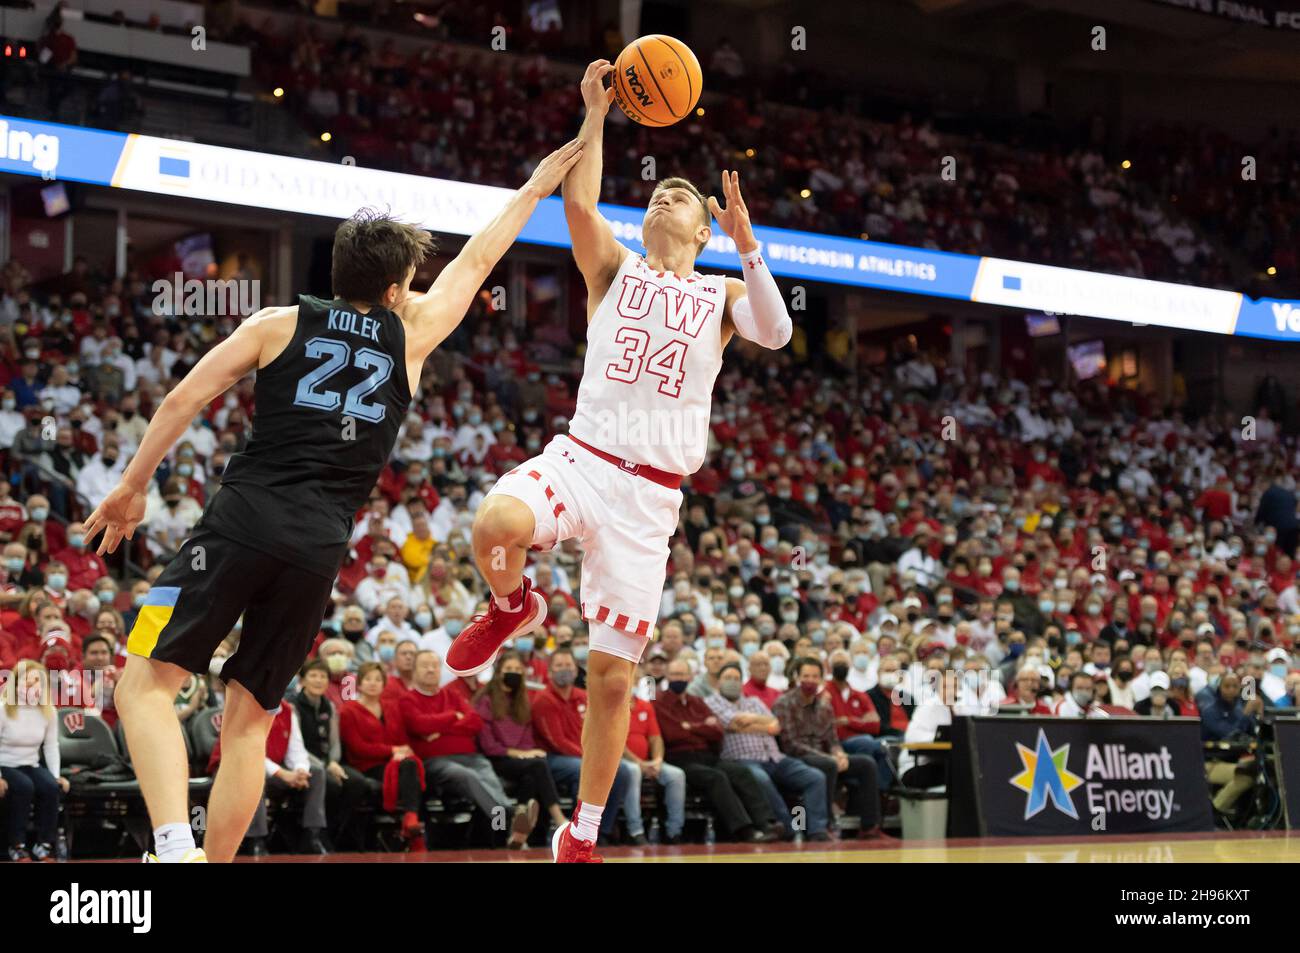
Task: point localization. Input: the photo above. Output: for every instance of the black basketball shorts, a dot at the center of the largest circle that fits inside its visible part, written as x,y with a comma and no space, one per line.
198,598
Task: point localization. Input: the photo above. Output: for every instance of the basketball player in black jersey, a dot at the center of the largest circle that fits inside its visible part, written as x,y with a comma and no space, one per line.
334,379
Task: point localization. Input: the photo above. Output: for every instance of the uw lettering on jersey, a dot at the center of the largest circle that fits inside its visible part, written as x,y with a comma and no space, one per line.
326,415
654,349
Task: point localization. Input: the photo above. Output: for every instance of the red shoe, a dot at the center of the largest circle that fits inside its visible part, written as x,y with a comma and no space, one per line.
567,849
413,832
479,643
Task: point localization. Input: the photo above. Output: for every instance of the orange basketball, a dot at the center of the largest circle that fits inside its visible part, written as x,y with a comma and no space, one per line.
657,80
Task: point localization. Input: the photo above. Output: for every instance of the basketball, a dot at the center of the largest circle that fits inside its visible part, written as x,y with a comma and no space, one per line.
657,80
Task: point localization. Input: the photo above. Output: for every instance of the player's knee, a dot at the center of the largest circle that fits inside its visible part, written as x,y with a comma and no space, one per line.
503,521
609,688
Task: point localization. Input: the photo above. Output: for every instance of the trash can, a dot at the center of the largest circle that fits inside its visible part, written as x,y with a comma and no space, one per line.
923,813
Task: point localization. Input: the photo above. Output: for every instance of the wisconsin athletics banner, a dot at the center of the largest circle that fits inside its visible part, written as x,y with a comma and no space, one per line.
193,170
1068,776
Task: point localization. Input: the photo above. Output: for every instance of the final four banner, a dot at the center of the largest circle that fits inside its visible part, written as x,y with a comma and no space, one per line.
1078,777
336,190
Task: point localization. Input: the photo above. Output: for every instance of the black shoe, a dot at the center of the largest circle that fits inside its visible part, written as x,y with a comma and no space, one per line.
776,831
672,840
639,840
311,843
19,854
256,847
820,837
755,836
43,853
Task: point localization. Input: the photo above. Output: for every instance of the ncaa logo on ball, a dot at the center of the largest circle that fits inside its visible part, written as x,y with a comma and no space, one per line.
636,87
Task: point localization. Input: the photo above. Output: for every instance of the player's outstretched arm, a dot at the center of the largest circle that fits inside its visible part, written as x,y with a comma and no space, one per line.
123,509
433,315
755,309
596,251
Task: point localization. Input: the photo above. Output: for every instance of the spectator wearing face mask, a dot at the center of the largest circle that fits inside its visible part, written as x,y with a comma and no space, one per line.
1120,683
508,741
750,738
1273,684
338,655
706,683
558,714
385,580
84,566
170,524
808,732
1081,701
1028,690
857,723
1156,704
101,473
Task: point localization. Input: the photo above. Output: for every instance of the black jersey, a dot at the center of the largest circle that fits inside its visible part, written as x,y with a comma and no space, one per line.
327,411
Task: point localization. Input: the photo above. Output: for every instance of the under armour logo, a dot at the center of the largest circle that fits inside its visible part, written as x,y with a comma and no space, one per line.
568,456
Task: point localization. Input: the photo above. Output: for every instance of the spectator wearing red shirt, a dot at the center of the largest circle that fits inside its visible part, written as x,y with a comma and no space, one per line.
760,667
442,729
645,752
559,711
84,566
857,723
372,733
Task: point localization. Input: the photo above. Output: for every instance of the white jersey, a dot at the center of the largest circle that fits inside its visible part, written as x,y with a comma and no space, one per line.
654,349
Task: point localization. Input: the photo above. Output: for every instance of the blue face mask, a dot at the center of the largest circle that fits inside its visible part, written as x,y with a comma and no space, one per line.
423,620
57,581
76,540
1279,669
138,599
719,608
748,649
453,627
39,514
581,653
1016,649
783,590
818,637
15,563
386,652
1046,606
524,644
860,662
1073,638
717,643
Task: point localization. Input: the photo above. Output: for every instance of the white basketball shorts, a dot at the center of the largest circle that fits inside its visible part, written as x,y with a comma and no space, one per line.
623,522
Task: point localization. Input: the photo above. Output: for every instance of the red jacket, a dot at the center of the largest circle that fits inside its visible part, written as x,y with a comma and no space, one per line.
641,727
857,708
367,741
85,567
424,715
557,723
764,693
674,712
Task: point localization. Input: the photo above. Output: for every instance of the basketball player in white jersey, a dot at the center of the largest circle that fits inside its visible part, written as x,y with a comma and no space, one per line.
656,330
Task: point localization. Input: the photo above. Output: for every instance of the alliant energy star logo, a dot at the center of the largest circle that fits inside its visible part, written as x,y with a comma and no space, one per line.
1115,781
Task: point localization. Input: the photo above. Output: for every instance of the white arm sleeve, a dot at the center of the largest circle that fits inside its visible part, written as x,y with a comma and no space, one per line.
761,315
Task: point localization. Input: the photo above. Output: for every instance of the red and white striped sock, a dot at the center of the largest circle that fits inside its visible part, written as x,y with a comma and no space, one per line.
512,602
586,820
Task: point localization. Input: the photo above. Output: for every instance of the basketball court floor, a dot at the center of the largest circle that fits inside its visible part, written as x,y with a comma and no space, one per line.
1223,847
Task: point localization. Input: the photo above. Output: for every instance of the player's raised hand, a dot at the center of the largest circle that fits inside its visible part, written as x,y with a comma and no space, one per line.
734,219
596,96
550,172
117,516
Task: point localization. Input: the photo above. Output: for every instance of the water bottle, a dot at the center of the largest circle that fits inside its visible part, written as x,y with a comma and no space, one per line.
61,847
709,836
653,836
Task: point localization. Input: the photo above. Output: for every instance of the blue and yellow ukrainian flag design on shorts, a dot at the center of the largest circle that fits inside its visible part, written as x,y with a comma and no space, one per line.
154,615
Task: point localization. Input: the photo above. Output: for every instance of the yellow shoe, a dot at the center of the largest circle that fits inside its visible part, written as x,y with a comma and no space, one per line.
194,855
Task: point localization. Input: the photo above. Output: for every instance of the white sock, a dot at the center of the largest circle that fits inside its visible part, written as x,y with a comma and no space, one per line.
172,841
586,820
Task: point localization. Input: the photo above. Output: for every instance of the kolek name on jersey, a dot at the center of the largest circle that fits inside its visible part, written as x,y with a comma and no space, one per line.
352,323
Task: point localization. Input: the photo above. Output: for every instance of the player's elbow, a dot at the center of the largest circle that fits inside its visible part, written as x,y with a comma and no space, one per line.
779,336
